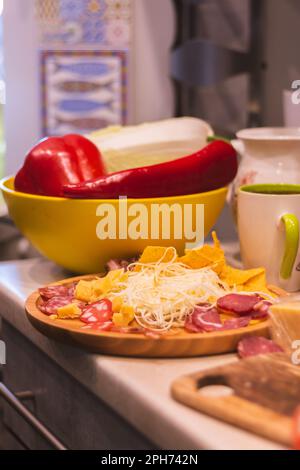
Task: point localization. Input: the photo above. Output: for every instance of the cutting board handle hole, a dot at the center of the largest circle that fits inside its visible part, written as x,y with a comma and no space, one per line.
214,387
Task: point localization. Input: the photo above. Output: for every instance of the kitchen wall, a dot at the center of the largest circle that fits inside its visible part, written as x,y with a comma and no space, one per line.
148,88
281,33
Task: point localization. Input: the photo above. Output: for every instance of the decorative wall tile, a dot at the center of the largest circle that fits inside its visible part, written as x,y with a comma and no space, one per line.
118,33
71,10
119,9
83,90
47,10
83,22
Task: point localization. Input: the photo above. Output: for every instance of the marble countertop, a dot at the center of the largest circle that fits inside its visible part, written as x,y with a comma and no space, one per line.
137,389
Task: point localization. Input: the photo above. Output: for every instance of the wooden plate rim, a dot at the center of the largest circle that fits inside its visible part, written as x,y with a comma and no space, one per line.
33,312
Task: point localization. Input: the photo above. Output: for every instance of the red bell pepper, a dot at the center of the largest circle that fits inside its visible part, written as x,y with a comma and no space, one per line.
57,161
211,168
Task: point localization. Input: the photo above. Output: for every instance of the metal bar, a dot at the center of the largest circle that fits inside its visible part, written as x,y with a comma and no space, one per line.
13,401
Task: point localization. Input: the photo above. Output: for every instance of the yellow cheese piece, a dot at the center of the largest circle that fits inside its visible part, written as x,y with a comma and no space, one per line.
91,291
119,320
117,303
69,311
111,280
84,290
97,288
125,317
285,318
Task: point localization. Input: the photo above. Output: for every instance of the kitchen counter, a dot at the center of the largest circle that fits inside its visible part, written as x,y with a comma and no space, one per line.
137,390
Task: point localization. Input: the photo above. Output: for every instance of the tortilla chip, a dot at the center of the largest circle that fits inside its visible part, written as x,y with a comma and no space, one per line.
216,241
153,254
206,256
238,277
257,283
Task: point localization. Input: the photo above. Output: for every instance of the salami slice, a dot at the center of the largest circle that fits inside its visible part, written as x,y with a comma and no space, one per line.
113,265
190,326
236,323
261,310
204,319
50,306
54,291
107,326
238,304
72,288
255,345
98,312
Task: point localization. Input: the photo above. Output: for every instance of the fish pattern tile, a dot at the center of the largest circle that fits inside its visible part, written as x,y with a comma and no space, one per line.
89,69
71,86
83,90
83,124
82,106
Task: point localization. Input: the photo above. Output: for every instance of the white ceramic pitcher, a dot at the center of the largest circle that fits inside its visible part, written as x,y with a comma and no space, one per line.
268,155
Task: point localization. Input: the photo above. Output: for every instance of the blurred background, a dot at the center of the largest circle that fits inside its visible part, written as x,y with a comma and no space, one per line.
81,65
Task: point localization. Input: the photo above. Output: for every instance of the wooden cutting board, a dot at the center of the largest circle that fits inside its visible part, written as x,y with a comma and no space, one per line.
265,394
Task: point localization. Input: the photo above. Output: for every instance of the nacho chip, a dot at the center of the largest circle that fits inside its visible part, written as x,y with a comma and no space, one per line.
257,283
216,241
206,256
153,254
238,277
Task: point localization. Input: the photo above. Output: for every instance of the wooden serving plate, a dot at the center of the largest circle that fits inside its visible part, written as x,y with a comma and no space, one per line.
183,344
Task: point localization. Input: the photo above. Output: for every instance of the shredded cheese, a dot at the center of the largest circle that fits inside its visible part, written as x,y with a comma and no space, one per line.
164,294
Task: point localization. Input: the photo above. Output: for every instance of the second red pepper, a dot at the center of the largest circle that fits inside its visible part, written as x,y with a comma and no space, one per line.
211,168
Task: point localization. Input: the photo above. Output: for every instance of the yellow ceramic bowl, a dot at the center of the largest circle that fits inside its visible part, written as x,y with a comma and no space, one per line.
65,230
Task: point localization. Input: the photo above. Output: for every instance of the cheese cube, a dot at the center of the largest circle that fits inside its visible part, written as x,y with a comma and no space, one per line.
84,291
69,311
285,319
119,320
117,303
125,317
127,312
91,291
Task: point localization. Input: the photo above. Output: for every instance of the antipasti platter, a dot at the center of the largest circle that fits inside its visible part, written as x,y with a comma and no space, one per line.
138,309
